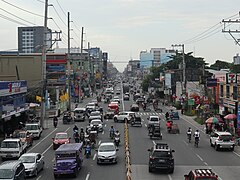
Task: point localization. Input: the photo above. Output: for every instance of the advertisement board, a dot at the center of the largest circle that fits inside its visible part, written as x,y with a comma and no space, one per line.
238,117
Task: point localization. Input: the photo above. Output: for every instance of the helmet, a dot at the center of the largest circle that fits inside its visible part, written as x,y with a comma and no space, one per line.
189,128
117,131
111,126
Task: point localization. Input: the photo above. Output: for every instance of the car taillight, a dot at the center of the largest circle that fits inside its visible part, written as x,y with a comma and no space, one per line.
151,158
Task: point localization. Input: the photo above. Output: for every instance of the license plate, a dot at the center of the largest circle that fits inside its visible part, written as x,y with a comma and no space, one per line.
161,160
106,160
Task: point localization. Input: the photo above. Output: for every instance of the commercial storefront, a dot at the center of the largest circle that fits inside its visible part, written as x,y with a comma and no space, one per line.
12,105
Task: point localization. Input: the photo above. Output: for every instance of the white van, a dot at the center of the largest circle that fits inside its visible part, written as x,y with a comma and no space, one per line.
12,148
79,114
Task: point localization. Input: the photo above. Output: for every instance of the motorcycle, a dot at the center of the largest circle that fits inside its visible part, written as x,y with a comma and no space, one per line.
111,134
88,151
189,137
169,129
55,122
196,142
117,140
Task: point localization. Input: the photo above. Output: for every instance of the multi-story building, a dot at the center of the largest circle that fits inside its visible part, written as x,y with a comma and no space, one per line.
30,39
236,59
146,59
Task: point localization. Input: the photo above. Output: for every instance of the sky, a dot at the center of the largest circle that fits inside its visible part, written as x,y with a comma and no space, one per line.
123,28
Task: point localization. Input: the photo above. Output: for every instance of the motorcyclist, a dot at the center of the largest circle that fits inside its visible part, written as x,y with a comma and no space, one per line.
82,135
169,125
117,134
197,135
189,133
167,115
88,148
77,137
55,121
112,131
75,128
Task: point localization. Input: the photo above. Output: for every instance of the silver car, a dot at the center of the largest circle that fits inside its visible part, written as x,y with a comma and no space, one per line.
98,123
33,163
107,153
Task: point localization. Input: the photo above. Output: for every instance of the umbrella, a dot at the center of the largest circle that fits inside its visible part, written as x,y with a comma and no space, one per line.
230,116
213,120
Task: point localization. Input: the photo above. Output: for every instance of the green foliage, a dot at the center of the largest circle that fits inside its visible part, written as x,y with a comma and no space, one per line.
145,83
235,68
199,120
178,105
220,65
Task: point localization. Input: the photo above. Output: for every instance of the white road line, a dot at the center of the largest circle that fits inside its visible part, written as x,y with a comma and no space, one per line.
236,154
42,140
39,177
105,125
169,177
99,142
199,157
185,143
206,163
154,142
103,132
53,159
87,177
145,125
94,157
142,120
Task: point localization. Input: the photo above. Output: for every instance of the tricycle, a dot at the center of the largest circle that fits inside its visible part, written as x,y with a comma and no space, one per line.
136,121
155,131
67,118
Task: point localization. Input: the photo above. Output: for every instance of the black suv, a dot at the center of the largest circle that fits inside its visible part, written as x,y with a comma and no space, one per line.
161,157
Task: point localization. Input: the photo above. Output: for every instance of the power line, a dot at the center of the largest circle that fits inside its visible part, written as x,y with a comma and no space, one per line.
17,16
12,20
61,8
59,16
40,1
22,9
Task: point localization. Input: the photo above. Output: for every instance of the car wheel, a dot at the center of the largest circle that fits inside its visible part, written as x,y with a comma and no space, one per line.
115,120
171,170
35,173
211,143
150,169
216,147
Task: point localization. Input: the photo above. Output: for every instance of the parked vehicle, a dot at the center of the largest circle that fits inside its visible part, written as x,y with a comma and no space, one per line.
68,159
33,163
35,129
59,139
107,153
222,140
12,148
12,170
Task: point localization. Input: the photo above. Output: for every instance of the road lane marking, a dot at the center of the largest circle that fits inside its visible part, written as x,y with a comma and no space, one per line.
106,119
154,143
103,132
99,142
94,157
199,157
42,140
87,177
39,177
53,159
206,163
236,154
105,125
169,177
185,143
145,125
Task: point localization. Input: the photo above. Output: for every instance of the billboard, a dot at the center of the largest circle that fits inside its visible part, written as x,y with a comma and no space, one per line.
168,80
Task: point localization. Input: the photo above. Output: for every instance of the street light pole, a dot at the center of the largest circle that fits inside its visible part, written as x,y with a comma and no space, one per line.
68,64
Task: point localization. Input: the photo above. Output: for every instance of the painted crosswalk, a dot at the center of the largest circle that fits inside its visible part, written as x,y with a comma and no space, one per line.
150,114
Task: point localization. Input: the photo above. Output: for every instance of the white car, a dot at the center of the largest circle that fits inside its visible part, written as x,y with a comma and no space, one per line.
116,99
153,120
98,123
33,163
107,153
123,116
35,129
222,140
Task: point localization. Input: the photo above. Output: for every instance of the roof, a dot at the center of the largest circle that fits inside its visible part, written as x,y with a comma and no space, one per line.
79,109
11,139
106,143
30,154
69,147
154,117
61,133
9,164
223,133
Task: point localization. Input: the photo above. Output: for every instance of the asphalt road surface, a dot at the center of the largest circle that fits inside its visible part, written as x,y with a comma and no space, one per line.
225,163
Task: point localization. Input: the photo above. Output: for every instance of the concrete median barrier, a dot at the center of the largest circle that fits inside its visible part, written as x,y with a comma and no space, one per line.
127,153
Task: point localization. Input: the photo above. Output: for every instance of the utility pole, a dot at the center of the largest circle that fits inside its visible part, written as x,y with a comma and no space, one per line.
82,40
226,24
44,79
183,67
90,65
68,64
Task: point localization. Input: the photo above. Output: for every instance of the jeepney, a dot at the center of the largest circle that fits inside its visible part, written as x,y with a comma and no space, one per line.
68,159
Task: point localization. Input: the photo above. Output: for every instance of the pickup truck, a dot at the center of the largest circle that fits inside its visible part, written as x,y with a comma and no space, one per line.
35,129
12,148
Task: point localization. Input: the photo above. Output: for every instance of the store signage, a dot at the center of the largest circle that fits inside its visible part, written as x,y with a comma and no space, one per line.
211,82
238,117
231,78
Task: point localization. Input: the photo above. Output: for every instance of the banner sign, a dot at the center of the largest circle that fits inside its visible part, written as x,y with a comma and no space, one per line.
238,117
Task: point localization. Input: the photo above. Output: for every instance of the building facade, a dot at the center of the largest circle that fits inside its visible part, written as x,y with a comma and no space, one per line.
146,59
30,39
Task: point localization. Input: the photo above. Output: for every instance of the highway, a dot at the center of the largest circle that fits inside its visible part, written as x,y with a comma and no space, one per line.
225,163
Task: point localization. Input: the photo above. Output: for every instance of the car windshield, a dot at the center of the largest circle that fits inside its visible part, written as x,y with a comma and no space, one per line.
94,114
32,127
95,122
6,174
226,137
27,159
9,145
161,154
61,136
65,155
106,148
79,111
154,119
